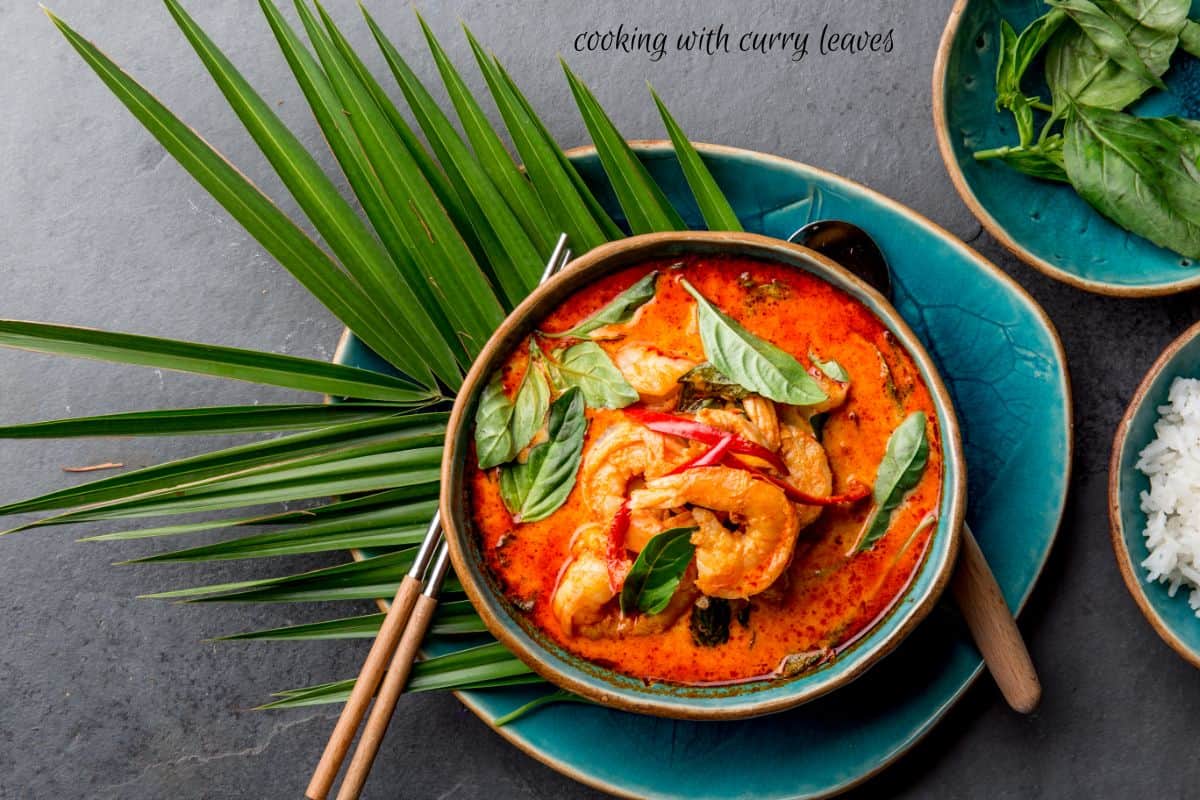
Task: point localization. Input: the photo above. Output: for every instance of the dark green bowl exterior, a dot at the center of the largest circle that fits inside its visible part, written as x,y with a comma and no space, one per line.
732,701
1171,617
1046,224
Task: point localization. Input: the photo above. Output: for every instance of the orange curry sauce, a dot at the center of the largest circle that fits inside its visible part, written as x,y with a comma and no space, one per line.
827,598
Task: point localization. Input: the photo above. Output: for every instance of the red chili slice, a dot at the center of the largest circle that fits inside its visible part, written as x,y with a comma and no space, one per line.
618,560
698,431
710,457
857,491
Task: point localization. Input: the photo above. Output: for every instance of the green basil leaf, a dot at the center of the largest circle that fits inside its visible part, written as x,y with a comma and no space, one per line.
831,368
754,363
1079,72
1109,34
588,367
656,573
1140,173
1189,38
1007,81
900,470
493,431
531,405
1033,39
1162,15
535,490
618,310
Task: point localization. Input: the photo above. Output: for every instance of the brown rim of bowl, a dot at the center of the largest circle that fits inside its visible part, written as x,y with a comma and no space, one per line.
1129,570
513,737
458,531
941,67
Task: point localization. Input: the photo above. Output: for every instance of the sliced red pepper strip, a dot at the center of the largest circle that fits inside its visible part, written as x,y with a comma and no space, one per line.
697,431
618,560
857,491
710,457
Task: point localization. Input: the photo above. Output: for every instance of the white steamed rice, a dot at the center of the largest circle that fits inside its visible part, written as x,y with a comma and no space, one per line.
1172,506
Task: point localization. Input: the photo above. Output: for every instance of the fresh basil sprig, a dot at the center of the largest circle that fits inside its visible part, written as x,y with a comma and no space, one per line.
1101,56
618,310
754,363
656,573
588,367
899,472
504,427
536,489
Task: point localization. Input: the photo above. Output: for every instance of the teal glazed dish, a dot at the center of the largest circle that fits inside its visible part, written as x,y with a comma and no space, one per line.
1045,224
608,687
1171,617
1001,361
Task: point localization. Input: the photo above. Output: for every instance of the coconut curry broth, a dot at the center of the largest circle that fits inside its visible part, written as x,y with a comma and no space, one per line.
827,597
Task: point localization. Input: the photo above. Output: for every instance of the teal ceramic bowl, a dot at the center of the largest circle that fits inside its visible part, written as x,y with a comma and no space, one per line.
1171,617
1044,224
604,686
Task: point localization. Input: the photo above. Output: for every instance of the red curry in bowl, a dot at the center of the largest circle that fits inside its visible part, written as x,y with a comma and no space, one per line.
704,470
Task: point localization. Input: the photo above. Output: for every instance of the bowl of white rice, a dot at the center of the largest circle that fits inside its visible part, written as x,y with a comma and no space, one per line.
1154,495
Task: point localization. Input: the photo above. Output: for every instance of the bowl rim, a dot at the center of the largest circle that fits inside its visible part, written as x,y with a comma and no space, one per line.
545,663
1130,573
941,127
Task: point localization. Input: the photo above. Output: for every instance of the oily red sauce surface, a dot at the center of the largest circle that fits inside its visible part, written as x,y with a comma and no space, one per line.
827,598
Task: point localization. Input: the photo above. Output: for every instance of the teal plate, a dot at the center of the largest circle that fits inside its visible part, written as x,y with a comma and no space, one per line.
1171,617
1002,362
1029,216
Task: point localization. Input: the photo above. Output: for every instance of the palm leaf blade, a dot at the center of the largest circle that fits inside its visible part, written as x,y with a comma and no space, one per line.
378,205
493,157
337,221
714,206
464,294
390,526
646,207
417,430
515,261
205,359
307,262
200,421
550,181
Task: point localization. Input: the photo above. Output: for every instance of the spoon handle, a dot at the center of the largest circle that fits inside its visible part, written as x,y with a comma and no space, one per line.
993,627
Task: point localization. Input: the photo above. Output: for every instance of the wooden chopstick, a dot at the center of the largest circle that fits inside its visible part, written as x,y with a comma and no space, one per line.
394,681
395,647
993,627
372,671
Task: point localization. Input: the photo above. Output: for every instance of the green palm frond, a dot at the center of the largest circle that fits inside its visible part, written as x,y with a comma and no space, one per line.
447,240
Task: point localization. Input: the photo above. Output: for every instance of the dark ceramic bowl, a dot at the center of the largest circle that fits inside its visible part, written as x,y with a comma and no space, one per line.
609,688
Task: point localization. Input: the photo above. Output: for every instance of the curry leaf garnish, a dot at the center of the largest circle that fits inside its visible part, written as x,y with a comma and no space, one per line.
831,368
656,573
899,472
535,490
619,310
754,363
588,367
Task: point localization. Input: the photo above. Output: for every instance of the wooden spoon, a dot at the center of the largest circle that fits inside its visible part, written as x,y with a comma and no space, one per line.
973,585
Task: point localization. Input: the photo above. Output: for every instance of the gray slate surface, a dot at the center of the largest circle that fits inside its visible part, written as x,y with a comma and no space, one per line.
105,696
